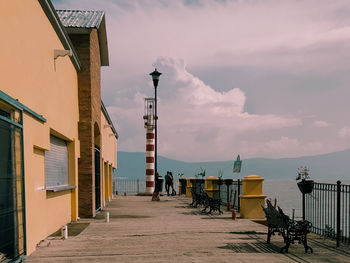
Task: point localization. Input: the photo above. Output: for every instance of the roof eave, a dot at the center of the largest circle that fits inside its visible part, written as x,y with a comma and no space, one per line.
55,21
105,113
102,36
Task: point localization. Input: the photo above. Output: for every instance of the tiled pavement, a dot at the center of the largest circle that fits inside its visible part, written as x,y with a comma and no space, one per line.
170,231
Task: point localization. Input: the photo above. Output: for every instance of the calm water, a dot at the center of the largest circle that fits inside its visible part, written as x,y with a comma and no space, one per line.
285,191
288,194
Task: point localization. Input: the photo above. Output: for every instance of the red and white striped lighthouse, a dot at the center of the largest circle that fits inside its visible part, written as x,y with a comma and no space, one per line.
149,125
149,160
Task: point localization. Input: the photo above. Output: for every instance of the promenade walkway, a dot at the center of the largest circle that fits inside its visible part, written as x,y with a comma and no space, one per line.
169,231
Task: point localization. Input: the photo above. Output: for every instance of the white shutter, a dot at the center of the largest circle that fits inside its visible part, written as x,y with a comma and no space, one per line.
56,163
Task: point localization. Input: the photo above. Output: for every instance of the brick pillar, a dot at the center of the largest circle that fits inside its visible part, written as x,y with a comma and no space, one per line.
89,93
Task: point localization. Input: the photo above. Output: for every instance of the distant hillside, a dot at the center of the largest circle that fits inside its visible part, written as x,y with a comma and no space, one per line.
332,166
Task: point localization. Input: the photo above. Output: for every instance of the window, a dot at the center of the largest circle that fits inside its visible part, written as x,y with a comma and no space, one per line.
56,163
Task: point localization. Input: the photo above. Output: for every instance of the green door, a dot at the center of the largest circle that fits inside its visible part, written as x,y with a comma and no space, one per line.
11,192
7,207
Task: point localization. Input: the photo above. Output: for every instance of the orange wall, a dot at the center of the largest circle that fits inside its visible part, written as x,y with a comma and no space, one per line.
109,158
30,74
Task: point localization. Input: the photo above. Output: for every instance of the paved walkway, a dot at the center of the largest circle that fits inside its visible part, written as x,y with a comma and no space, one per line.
170,231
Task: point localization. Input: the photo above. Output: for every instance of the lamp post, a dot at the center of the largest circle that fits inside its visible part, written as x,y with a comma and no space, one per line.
155,77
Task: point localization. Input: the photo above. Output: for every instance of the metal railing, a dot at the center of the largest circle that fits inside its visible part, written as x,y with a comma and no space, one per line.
227,193
328,209
134,187
230,194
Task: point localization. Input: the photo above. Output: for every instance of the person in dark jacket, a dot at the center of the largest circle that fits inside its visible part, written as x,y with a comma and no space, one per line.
167,182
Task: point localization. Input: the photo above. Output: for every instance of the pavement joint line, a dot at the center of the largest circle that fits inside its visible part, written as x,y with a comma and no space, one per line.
93,255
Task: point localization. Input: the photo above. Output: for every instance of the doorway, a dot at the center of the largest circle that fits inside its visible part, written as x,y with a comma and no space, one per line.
97,178
11,190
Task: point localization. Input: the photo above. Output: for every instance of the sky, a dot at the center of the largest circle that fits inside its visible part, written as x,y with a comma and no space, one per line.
259,78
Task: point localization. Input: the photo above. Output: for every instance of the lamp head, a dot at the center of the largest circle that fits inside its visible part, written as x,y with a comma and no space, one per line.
155,77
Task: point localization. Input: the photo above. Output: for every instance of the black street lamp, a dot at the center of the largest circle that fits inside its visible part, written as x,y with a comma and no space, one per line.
155,77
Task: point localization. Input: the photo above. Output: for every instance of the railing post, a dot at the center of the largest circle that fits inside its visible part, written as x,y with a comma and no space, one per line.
138,186
227,194
338,212
303,207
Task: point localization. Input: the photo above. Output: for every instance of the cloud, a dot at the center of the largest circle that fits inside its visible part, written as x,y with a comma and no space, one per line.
196,122
320,124
344,132
255,67
222,32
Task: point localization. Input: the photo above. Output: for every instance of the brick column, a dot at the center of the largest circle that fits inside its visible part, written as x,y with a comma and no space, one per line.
89,93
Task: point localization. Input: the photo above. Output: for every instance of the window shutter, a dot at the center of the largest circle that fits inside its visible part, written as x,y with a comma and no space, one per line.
56,163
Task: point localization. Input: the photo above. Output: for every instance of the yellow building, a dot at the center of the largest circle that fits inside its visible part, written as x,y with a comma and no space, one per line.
87,31
40,128
109,155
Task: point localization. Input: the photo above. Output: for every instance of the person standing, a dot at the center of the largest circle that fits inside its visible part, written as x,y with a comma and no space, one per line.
167,182
173,192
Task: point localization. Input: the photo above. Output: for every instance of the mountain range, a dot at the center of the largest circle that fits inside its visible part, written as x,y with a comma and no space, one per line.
331,166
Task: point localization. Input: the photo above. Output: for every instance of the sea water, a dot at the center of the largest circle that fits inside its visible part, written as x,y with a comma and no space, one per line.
285,191
288,195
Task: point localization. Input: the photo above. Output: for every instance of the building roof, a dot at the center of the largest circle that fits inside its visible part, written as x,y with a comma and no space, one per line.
81,22
80,18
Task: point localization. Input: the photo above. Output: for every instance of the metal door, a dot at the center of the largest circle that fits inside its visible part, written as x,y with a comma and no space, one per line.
11,191
7,208
97,178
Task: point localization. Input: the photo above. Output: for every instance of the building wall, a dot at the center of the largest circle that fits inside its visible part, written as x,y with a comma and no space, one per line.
30,74
109,142
89,79
109,158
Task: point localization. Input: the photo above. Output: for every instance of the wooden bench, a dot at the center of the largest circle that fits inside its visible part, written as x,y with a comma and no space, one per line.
290,230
